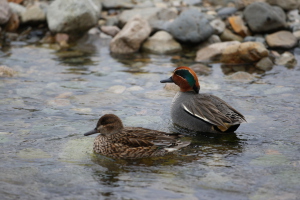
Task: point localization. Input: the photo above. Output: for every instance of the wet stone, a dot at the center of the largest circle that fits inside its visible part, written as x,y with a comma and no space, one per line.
240,76
227,35
286,59
264,64
281,39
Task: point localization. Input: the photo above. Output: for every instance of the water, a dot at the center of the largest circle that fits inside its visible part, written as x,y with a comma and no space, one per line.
59,95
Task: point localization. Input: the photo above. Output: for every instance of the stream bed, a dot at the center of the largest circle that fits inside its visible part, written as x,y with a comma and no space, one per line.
57,96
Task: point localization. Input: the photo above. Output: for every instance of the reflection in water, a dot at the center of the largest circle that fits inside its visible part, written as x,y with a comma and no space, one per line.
232,68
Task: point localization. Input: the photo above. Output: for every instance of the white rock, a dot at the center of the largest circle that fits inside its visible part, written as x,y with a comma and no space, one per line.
33,13
17,8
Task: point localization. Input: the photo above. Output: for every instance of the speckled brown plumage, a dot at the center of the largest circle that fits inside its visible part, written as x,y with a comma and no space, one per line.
132,142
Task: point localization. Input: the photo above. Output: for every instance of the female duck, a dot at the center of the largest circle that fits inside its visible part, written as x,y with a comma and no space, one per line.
200,112
117,141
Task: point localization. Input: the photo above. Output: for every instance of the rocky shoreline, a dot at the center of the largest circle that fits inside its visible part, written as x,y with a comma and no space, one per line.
253,33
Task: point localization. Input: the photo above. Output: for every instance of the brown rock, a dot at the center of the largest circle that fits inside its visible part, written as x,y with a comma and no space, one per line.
231,55
238,26
252,51
281,39
213,51
130,38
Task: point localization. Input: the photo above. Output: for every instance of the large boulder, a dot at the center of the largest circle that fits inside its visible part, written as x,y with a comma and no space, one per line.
190,26
161,43
130,38
73,16
5,12
261,17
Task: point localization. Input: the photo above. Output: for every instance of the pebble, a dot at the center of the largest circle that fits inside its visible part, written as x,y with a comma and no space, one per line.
218,25
240,76
265,64
286,59
228,35
117,89
238,25
110,30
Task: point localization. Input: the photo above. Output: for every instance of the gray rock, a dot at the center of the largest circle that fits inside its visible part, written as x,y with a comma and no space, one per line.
155,16
191,26
286,4
161,43
5,12
255,39
261,17
33,13
297,34
17,8
130,38
72,16
281,39
265,64
213,51
226,11
293,16
192,2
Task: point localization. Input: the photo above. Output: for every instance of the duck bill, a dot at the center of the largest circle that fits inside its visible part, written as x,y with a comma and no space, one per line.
91,132
169,80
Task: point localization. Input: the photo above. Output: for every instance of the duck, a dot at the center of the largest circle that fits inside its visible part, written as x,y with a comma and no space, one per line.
200,112
119,142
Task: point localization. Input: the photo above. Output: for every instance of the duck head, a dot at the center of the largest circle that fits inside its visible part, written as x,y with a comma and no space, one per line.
107,124
185,78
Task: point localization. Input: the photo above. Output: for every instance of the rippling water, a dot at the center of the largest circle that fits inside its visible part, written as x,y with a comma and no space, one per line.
59,95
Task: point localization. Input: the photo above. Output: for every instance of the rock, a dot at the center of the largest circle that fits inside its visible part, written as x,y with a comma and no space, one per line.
297,34
265,64
286,59
227,35
260,39
286,4
17,8
226,11
110,30
238,26
240,76
261,17
246,52
293,16
130,38
117,89
109,4
62,39
218,25
16,1
6,71
213,51
201,69
33,13
192,2
155,16
72,16
13,23
281,39
5,12
190,26
161,43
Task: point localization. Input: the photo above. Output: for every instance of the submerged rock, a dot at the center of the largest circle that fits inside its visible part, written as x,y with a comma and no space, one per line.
281,39
161,43
261,17
130,38
6,71
72,16
191,26
240,76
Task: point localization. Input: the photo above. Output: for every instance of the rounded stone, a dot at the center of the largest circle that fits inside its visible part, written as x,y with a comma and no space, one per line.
281,39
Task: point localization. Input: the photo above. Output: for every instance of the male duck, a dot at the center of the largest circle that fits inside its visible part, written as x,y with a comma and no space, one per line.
200,112
117,141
